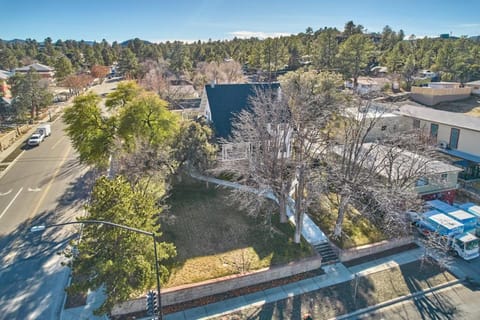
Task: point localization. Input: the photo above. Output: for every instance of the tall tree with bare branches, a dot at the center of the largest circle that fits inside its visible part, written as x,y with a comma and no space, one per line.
377,177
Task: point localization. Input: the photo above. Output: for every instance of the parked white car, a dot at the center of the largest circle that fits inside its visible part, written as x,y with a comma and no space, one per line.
35,139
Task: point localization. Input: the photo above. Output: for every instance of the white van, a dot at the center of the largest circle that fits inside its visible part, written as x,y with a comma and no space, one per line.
45,129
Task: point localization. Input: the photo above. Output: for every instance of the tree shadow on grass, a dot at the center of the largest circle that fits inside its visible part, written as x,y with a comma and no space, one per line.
204,223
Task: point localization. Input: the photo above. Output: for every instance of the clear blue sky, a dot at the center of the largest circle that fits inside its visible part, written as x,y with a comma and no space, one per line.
187,20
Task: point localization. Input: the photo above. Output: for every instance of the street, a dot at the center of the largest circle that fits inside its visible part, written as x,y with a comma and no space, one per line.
46,184
458,302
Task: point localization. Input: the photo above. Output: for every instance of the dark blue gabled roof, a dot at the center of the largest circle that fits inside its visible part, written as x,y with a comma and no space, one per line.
226,100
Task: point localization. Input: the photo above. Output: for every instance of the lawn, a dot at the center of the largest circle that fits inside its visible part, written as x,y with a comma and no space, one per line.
357,230
214,238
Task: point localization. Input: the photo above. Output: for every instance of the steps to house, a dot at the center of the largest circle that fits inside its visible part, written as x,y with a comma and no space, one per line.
325,250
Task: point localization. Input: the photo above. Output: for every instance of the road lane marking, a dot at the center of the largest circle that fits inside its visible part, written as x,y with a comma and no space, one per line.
5,193
11,202
56,143
50,183
34,190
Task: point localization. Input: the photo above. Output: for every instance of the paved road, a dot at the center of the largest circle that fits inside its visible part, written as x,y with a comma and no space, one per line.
458,302
45,185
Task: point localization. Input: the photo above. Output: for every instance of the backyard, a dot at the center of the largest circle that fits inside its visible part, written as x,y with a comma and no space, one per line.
214,238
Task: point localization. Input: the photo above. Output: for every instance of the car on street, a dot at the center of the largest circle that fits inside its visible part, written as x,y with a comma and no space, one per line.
35,139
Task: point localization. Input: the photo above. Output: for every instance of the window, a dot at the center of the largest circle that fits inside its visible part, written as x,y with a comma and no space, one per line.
416,124
454,136
421,182
444,177
434,131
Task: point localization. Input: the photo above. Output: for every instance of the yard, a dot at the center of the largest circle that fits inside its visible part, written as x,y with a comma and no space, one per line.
214,238
357,230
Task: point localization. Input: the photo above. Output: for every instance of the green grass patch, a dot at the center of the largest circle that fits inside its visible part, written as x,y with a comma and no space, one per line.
357,230
214,238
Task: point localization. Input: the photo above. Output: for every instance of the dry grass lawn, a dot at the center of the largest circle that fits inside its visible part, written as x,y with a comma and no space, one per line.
214,238
357,230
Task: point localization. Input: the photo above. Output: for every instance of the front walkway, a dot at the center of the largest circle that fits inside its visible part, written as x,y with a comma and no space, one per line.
335,274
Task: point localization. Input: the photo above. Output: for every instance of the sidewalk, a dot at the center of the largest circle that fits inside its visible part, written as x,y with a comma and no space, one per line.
335,274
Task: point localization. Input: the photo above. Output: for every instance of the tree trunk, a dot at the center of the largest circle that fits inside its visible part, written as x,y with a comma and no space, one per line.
342,207
299,203
283,202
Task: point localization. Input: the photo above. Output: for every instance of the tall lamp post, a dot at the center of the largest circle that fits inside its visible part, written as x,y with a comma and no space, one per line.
41,228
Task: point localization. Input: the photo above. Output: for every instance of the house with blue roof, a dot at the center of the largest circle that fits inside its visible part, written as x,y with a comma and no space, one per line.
221,102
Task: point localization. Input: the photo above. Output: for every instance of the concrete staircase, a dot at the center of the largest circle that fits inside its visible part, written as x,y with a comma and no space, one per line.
325,250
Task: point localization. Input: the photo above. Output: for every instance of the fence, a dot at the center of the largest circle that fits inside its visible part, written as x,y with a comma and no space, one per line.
433,96
10,137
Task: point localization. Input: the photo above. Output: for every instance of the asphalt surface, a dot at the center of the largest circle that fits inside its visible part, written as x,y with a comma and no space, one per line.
43,186
458,302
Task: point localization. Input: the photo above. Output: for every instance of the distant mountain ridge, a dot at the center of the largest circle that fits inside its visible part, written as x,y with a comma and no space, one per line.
89,42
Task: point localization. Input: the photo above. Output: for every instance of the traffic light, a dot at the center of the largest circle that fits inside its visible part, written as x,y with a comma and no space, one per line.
152,304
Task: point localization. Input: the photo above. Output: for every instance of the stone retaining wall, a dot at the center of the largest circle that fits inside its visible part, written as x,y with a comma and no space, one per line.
216,286
358,252
7,139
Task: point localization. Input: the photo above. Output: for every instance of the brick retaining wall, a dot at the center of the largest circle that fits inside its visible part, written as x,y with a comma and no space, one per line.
221,285
354,253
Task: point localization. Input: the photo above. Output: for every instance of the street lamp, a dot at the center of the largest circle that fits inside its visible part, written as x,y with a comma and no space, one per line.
41,228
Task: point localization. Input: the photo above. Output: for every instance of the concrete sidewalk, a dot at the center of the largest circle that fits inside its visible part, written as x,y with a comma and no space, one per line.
335,274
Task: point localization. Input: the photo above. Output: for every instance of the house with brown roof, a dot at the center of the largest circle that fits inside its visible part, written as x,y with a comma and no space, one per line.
44,71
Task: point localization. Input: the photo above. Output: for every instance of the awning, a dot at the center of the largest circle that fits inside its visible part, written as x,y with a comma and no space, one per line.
462,155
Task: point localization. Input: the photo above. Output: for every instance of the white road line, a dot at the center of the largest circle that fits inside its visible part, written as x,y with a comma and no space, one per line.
56,143
5,193
34,189
1,215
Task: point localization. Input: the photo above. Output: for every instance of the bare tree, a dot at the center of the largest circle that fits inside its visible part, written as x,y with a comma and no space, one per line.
285,135
265,132
377,177
223,72
314,102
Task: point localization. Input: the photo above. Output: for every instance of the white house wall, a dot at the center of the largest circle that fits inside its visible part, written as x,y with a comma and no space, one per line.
468,141
438,184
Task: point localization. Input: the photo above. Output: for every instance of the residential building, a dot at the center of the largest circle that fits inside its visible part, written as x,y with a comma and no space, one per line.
455,134
387,122
366,85
434,179
220,103
44,71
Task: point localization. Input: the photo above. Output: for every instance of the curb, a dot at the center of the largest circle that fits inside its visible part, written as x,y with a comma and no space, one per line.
397,300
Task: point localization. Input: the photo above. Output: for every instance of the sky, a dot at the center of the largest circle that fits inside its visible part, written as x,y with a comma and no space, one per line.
191,20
